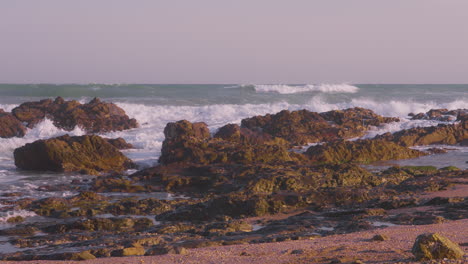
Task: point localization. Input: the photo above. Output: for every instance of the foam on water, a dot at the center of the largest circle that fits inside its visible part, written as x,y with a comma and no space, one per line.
291,89
4,216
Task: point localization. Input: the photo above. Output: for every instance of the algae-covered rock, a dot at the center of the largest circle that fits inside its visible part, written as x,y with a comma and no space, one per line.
301,127
88,154
93,117
435,246
119,143
131,251
360,151
85,255
10,126
187,142
441,134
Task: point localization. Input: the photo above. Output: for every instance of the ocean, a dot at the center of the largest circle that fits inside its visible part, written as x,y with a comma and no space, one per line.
154,105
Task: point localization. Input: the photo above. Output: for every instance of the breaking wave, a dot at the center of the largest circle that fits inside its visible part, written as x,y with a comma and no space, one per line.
292,89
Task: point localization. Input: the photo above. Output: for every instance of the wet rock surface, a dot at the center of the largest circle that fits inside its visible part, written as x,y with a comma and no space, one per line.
10,126
94,117
301,127
87,154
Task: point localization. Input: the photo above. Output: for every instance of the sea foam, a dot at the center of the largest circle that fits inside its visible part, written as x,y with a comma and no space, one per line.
292,89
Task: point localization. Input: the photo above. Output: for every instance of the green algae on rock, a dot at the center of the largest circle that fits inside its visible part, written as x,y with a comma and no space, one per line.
86,154
360,151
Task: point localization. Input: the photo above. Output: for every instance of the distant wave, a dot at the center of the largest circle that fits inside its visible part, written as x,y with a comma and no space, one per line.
292,89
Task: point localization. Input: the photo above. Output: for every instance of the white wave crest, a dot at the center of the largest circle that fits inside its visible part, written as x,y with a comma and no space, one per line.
44,130
292,89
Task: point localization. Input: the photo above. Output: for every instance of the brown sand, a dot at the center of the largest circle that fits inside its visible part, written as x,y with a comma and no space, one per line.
347,247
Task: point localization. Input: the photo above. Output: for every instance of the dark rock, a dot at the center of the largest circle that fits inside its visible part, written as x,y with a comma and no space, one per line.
301,127
438,114
93,117
10,126
191,143
441,134
360,151
88,154
435,246
119,143
380,237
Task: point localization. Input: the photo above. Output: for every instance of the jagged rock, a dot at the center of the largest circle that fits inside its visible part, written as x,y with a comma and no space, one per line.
93,117
10,126
441,134
360,151
191,143
235,133
119,143
301,127
435,246
438,114
88,154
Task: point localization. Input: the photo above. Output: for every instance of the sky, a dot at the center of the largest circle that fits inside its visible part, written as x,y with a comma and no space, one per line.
234,41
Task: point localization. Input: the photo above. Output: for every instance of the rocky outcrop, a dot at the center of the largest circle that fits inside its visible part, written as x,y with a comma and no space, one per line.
93,117
10,126
119,143
301,127
435,246
438,114
191,143
360,151
87,154
441,134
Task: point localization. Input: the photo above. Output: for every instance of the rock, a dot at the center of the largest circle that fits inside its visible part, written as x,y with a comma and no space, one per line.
85,255
441,134
380,237
187,142
15,219
10,126
93,117
301,127
360,151
435,246
88,154
130,251
438,114
235,133
119,143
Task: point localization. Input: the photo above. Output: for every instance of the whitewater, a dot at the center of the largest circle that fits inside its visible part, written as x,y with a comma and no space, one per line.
153,106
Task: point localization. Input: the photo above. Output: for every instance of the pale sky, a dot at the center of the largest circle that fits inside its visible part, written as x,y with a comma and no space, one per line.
234,41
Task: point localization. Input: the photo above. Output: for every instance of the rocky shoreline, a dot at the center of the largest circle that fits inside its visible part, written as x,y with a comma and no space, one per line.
244,184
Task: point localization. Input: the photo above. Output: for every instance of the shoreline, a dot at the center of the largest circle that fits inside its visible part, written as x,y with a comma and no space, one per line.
346,248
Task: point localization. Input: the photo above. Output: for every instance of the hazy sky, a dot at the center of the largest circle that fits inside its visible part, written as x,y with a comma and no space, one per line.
234,41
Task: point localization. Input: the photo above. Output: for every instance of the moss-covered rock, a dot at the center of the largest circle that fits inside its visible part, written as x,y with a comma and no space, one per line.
360,151
441,134
435,246
87,154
